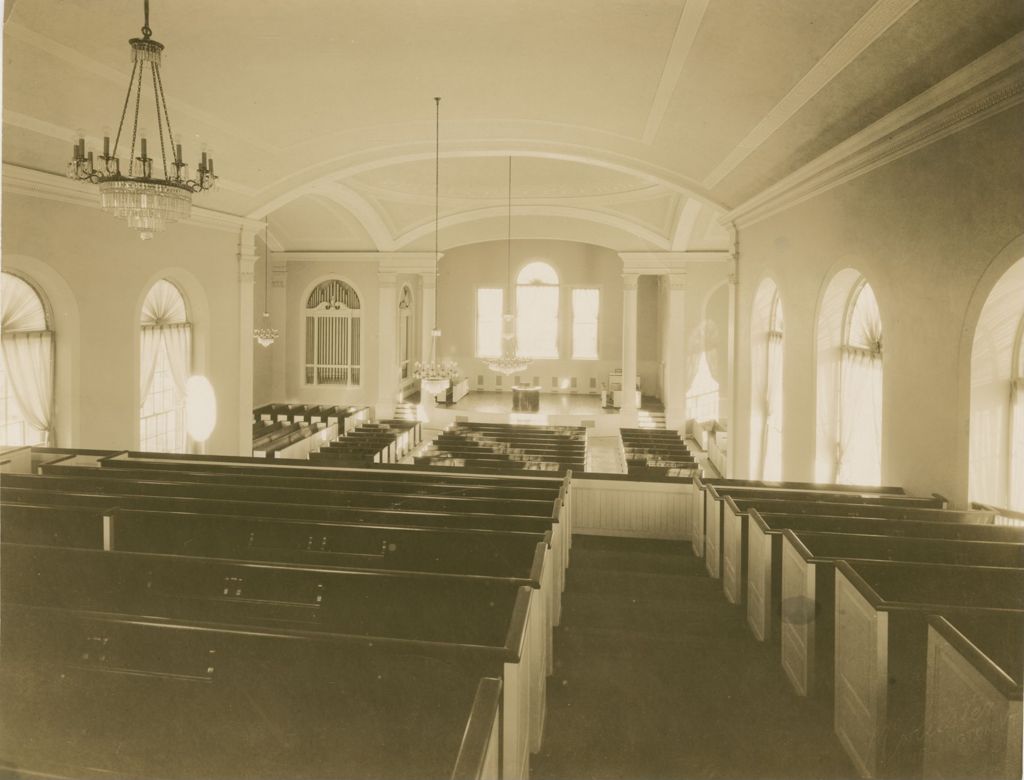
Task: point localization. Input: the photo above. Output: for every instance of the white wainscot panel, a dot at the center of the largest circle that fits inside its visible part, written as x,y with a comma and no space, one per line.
652,510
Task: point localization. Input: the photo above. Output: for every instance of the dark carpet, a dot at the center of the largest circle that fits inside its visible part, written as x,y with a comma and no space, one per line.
657,676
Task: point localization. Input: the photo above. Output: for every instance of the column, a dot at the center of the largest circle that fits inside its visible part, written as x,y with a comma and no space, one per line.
629,293
387,351
279,319
428,303
729,398
247,257
675,351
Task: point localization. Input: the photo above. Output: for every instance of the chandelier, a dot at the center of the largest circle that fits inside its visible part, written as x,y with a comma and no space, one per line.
435,376
147,201
266,335
508,362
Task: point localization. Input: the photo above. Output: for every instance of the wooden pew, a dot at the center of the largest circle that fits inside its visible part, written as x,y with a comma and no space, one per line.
90,696
325,604
973,721
881,617
807,586
725,522
763,546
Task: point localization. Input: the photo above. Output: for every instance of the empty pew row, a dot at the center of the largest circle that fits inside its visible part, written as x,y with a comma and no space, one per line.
492,634
867,592
512,446
347,417
535,738
293,440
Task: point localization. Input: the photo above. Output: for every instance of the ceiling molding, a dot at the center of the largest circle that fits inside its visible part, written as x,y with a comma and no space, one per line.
985,87
684,225
615,221
361,210
48,186
658,263
879,18
686,33
389,262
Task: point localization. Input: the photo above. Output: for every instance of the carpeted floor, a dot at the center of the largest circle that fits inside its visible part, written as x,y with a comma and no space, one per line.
657,676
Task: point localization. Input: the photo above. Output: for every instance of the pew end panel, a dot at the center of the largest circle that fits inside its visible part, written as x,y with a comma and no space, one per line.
734,551
861,673
762,579
713,533
973,722
799,614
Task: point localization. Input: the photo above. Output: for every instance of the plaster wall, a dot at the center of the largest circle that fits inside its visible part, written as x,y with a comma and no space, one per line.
930,233
95,272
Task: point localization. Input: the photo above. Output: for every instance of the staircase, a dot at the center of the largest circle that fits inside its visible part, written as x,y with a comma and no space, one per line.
651,413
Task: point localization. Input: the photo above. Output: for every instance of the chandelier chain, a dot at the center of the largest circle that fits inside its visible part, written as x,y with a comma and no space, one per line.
159,121
163,100
437,189
135,127
124,110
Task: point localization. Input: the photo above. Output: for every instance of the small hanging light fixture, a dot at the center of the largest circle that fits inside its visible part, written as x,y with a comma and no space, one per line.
265,335
509,362
147,201
435,376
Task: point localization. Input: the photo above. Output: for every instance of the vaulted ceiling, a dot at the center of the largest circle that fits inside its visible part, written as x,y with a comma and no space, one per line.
632,123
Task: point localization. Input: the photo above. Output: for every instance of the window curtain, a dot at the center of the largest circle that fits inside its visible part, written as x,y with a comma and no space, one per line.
177,339
150,344
859,446
1016,492
537,321
28,358
771,439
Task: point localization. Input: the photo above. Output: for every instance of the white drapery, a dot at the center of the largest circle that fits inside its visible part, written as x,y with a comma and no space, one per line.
28,360
859,448
150,344
27,352
177,340
771,440
164,327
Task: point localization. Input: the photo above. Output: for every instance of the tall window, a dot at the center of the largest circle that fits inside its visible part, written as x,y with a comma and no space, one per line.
489,303
771,448
164,367
405,330
859,441
537,311
1016,480
585,307
26,365
333,337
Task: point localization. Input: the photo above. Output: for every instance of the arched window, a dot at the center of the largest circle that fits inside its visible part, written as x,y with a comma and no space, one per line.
859,424
26,365
767,326
997,397
164,367
537,311
405,330
333,335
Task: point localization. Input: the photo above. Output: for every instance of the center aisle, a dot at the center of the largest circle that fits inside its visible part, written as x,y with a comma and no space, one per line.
657,676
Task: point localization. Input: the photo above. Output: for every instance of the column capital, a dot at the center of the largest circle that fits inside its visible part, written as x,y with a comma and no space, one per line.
279,274
629,281
676,280
247,268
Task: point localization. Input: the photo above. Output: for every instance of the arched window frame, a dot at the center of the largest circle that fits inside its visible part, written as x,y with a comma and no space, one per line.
333,334
860,371
405,332
165,364
34,351
771,443
1015,437
537,311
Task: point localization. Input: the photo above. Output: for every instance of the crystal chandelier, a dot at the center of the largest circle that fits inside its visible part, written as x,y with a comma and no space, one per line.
509,362
148,202
436,376
266,335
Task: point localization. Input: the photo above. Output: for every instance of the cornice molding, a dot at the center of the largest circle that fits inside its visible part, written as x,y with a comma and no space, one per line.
48,186
658,263
865,31
386,262
991,84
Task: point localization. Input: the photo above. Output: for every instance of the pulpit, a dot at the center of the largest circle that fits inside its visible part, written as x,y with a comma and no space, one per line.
526,398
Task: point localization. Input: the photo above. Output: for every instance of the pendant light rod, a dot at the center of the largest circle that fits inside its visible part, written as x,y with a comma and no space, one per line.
437,190
508,250
266,266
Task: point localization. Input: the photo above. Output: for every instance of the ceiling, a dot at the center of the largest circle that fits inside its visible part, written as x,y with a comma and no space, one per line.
633,124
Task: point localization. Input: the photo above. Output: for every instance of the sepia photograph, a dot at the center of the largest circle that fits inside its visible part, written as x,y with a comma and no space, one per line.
512,390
